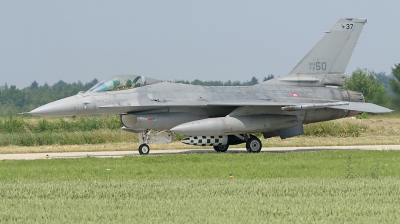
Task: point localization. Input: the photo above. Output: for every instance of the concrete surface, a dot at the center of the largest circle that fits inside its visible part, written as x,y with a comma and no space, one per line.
116,154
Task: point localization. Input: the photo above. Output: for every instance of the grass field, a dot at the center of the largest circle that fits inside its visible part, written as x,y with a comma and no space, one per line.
377,130
303,187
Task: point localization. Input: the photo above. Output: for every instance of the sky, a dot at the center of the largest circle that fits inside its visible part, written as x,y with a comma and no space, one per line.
74,40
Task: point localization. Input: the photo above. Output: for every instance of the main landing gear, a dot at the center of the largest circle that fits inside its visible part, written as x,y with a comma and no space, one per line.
253,144
221,148
144,149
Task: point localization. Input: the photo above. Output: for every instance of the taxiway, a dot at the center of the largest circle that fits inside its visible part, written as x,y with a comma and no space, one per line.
117,154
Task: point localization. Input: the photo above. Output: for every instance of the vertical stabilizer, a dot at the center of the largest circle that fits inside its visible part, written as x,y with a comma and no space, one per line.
326,62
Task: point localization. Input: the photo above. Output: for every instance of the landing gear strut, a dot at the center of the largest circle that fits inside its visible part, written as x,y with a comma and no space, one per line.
144,149
253,144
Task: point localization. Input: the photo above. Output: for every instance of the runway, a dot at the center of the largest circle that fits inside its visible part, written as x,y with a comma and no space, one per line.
117,154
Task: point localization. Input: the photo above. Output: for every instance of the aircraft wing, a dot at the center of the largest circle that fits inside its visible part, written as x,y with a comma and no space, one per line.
291,106
283,104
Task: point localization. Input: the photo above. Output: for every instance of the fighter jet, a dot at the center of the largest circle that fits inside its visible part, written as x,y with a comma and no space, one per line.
222,116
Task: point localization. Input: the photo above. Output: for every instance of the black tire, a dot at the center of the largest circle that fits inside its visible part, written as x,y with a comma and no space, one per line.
221,148
253,144
144,149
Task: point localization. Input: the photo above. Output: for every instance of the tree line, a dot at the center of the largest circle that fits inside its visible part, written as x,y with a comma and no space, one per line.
377,88
14,100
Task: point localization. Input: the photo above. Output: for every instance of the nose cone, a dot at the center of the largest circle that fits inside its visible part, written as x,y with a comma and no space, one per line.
59,108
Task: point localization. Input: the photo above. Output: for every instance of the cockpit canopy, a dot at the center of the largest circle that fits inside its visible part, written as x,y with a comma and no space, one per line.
122,82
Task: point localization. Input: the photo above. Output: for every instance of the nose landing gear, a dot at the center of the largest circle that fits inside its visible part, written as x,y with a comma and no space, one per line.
144,149
153,137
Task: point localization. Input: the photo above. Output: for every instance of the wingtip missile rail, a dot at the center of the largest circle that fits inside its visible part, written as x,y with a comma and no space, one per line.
313,106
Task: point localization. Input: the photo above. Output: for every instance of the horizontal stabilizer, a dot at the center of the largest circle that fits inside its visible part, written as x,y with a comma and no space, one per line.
364,107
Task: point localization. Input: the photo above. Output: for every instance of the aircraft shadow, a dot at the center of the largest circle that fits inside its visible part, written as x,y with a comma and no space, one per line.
204,151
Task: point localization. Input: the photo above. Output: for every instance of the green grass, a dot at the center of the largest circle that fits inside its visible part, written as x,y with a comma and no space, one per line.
24,131
58,125
317,164
303,187
67,138
334,129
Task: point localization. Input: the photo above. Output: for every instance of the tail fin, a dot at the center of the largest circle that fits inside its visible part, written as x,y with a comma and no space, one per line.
326,62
